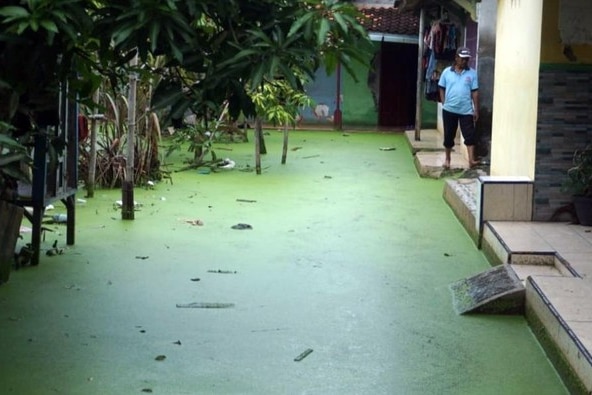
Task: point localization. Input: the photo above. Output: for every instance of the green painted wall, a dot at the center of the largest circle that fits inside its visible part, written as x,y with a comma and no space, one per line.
429,113
357,103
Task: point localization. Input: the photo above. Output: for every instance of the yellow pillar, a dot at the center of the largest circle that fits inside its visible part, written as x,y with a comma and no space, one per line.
515,91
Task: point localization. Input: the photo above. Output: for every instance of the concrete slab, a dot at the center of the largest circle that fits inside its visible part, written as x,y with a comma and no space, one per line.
429,154
429,140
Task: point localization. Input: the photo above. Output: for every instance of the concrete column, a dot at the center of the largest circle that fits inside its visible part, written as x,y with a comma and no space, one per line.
487,20
515,96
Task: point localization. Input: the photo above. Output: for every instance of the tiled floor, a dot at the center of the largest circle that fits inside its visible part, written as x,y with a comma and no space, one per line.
573,243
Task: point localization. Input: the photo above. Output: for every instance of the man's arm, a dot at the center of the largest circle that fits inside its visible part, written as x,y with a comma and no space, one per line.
442,94
475,98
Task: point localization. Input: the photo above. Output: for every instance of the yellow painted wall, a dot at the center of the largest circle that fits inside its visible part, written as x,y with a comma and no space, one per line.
551,46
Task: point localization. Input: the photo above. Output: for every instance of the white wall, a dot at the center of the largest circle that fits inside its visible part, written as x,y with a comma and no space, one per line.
515,97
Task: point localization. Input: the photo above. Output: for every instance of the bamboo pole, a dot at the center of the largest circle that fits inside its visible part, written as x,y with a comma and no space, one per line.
92,160
419,91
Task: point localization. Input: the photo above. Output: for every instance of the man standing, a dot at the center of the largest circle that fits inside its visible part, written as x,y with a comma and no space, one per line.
459,94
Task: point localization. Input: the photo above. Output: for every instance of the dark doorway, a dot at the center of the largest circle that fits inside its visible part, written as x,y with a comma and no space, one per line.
398,81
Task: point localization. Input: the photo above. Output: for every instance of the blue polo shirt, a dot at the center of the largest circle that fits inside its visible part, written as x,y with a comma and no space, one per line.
458,87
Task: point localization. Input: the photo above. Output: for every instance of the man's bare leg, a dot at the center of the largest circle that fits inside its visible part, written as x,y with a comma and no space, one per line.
472,159
447,158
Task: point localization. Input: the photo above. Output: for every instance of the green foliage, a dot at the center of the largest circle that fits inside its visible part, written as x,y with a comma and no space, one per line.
12,155
198,139
579,176
211,51
279,103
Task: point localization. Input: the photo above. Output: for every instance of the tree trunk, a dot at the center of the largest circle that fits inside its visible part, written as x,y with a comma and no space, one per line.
258,139
92,160
285,148
127,188
262,142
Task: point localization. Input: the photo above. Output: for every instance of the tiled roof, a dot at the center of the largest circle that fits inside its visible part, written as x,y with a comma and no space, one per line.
390,20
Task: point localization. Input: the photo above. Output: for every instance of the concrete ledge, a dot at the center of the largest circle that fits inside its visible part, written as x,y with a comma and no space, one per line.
430,140
458,197
556,333
429,154
493,246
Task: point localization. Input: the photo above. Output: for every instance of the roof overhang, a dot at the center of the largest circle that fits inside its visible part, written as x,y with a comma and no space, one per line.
459,7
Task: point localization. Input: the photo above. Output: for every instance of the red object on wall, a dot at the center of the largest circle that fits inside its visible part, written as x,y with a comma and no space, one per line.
82,128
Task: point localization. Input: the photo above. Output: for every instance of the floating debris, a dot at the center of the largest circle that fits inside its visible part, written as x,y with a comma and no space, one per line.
226,164
195,279
246,201
303,355
54,251
387,148
269,330
194,222
222,271
142,257
178,342
59,218
241,226
119,204
160,358
204,305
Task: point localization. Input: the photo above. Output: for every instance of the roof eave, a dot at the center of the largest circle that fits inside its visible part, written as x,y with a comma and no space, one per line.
460,7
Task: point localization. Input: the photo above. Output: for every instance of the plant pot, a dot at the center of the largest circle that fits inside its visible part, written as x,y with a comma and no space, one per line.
583,207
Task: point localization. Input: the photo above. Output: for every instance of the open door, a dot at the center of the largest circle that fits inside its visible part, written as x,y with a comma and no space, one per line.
398,78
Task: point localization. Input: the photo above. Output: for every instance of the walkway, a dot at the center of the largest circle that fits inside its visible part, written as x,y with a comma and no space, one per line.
350,254
553,259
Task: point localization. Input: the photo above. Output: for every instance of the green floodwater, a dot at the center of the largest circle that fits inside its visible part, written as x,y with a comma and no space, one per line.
350,255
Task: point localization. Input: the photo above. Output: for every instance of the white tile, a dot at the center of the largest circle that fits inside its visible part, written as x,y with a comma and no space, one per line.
583,331
580,262
521,236
523,271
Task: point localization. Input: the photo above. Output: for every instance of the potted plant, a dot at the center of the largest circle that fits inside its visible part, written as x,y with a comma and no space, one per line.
579,183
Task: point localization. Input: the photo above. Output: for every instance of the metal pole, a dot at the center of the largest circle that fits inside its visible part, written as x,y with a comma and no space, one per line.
418,94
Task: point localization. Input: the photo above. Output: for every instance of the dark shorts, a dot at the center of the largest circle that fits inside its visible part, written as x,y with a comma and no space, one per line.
451,122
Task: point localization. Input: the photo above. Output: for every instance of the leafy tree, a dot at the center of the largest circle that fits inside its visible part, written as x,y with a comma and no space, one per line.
214,51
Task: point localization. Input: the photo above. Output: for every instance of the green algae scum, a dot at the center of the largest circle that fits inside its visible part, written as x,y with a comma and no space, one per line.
350,254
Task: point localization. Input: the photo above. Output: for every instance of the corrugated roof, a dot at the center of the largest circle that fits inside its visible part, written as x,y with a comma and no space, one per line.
390,20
